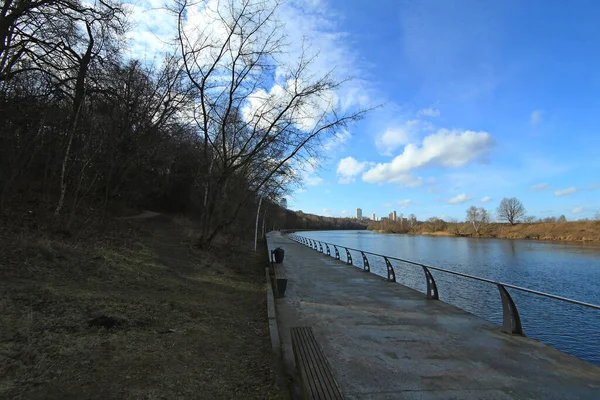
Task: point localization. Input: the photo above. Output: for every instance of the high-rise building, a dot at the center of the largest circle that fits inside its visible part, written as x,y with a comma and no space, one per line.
394,218
373,217
283,203
359,213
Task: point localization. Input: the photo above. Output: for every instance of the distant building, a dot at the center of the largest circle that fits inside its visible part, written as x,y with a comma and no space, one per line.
383,218
394,218
283,203
359,213
373,217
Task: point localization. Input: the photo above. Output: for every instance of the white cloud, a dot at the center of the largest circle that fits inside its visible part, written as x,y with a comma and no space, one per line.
335,141
565,192
152,28
405,203
446,148
429,112
577,210
461,198
313,180
486,199
540,186
387,205
536,116
314,25
401,134
306,170
348,168
263,108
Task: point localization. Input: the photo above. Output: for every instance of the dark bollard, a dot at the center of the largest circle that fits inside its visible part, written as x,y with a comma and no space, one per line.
281,286
278,253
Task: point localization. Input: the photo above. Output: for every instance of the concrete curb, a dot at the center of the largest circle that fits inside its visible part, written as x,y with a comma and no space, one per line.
273,329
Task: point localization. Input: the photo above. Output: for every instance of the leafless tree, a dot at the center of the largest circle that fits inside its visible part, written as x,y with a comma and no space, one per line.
478,217
436,224
252,133
510,210
412,219
529,219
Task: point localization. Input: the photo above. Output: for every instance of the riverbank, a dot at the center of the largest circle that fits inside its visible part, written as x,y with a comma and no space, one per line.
132,312
578,231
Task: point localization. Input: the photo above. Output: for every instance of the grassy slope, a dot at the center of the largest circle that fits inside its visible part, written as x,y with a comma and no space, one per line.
584,231
189,324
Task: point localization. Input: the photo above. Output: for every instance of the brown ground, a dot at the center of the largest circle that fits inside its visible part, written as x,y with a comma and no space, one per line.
186,324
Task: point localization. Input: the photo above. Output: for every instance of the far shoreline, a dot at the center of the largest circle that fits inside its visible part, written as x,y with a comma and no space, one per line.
574,232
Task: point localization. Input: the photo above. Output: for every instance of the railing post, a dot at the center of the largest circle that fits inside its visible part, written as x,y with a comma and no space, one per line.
391,274
432,290
348,257
337,253
366,266
320,247
511,321
328,251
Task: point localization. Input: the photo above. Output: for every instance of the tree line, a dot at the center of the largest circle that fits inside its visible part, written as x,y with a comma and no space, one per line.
510,211
201,130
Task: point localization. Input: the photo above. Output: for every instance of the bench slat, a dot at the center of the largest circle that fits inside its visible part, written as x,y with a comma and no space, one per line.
313,364
315,372
320,371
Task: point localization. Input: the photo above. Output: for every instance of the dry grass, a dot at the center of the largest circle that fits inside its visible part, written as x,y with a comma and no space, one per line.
186,323
577,231
584,231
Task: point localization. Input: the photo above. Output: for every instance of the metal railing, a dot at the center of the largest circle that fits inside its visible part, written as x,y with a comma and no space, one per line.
511,321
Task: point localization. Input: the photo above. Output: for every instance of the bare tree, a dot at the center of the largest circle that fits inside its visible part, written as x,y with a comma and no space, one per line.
529,219
510,210
436,224
251,133
412,219
478,217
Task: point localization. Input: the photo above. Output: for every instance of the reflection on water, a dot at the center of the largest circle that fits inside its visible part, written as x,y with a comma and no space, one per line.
569,270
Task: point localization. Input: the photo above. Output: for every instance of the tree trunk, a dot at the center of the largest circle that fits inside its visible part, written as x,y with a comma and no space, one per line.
256,227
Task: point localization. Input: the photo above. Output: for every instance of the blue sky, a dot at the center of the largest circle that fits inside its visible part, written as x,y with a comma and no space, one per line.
480,100
522,76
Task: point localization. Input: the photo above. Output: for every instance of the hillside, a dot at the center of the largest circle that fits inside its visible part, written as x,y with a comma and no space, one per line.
133,311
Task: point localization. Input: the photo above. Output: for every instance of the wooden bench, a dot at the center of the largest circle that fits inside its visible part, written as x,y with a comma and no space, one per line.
280,279
315,373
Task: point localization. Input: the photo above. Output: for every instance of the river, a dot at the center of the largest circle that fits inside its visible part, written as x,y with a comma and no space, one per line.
568,270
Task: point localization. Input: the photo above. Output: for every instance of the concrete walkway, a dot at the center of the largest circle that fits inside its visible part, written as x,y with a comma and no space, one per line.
386,341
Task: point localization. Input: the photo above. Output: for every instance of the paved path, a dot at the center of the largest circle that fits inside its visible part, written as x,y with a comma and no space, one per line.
387,341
